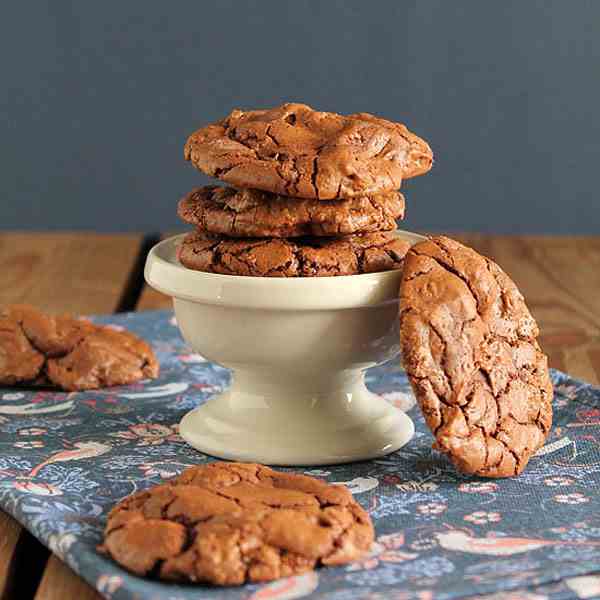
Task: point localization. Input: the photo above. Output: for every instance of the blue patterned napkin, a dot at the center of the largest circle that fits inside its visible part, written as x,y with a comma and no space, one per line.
66,458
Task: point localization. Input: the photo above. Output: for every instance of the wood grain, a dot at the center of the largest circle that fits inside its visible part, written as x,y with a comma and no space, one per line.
151,299
9,537
560,279
60,583
75,272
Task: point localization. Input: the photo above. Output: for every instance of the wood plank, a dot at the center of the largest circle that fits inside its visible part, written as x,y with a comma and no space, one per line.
9,537
151,299
582,362
74,272
560,279
60,583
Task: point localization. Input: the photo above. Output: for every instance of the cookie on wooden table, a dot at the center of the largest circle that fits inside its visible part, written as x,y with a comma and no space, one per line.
231,523
70,353
254,213
296,151
296,257
469,346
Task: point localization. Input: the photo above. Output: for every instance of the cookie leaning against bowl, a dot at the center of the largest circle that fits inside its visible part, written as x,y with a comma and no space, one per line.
231,523
253,213
296,257
470,350
296,151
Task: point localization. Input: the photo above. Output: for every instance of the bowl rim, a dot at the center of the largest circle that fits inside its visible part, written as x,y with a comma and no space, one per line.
166,274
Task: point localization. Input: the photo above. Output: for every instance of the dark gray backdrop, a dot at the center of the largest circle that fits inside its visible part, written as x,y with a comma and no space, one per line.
98,98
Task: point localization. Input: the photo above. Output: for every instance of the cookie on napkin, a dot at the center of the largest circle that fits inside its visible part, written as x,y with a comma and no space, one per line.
70,353
469,346
231,523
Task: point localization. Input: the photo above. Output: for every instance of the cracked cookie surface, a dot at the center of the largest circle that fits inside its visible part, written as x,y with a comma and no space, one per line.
469,346
67,352
231,523
254,213
298,257
296,151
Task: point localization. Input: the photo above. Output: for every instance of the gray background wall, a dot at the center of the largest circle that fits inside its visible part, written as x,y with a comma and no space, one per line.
98,97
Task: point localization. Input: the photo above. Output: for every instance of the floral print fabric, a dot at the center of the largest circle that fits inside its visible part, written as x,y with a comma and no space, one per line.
66,458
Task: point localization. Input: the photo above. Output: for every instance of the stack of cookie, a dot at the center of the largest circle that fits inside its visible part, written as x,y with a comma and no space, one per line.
314,193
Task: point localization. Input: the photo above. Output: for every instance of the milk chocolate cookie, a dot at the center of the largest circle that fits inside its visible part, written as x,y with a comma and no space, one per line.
68,352
253,213
19,360
229,523
103,358
470,350
296,151
303,257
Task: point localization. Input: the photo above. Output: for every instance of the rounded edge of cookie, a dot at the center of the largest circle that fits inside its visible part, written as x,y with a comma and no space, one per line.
260,214
335,166
305,257
168,533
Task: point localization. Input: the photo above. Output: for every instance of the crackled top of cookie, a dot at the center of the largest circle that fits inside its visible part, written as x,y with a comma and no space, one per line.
71,353
300,257
296,151
254,213
470,350
229,523
19,360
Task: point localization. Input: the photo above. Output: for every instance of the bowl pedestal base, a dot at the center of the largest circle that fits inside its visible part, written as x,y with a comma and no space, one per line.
297,420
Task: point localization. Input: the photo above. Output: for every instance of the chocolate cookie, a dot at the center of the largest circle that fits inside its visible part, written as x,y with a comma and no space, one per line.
19,360
253,213
470,350
229,523
303,257
296,151
68,352
103,358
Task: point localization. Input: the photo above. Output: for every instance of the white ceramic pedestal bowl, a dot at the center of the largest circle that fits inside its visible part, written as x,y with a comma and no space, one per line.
298,348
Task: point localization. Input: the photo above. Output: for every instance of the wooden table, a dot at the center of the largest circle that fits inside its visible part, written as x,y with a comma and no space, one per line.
91,273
